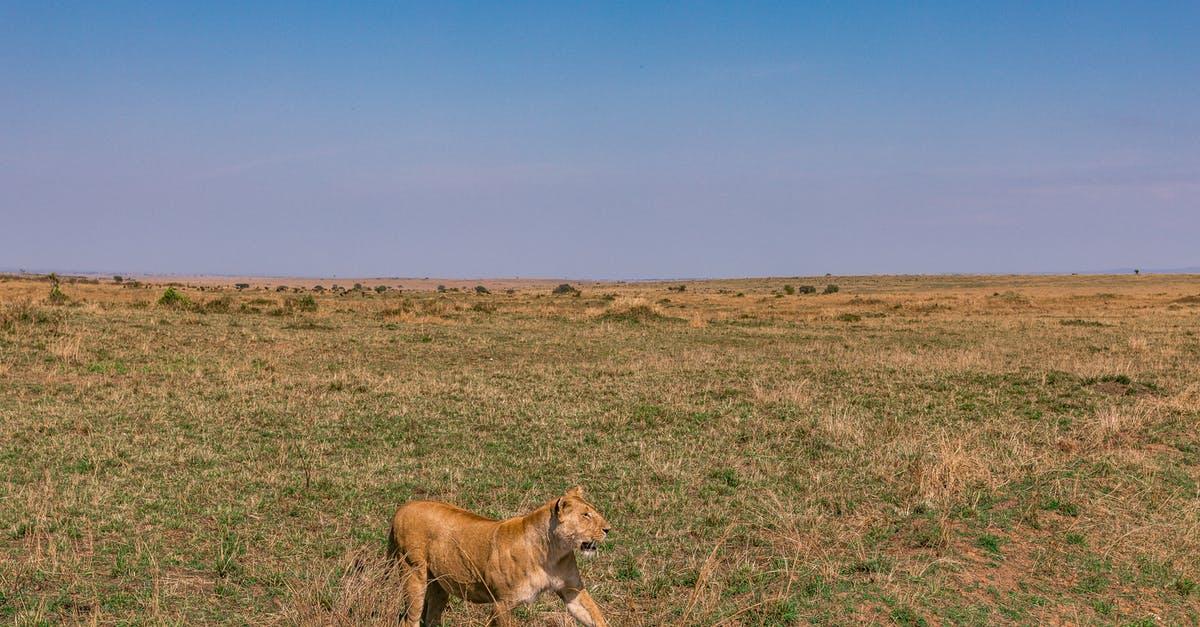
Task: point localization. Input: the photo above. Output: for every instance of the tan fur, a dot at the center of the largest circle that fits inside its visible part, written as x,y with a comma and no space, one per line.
442,550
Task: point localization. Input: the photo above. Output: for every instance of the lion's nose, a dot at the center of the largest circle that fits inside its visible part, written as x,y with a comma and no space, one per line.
606,530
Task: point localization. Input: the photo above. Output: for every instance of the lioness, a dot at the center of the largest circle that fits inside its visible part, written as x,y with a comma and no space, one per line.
442,550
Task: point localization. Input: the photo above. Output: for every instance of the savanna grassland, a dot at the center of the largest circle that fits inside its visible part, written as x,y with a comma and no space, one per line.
907,450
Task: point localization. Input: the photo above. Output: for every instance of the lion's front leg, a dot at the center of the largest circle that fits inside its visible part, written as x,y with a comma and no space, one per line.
582,607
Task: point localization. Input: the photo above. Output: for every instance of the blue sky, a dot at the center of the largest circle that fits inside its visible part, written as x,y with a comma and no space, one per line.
600,140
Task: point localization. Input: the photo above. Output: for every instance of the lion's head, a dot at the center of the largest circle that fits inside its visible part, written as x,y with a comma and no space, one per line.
577,524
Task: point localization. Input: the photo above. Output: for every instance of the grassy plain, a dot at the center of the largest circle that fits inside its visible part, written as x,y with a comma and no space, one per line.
910,450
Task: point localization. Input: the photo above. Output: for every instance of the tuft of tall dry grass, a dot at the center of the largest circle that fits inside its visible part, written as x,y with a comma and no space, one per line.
362,589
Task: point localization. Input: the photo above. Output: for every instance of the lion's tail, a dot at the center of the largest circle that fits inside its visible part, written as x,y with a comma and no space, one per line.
393,549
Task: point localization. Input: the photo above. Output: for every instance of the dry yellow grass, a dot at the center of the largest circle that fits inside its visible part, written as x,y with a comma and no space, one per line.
946,450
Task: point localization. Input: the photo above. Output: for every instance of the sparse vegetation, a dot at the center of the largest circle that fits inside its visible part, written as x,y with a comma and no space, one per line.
807,289
305,303
965,459
830,289
479,289
565,289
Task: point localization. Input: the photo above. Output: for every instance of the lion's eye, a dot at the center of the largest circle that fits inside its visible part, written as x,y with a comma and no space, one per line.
587,514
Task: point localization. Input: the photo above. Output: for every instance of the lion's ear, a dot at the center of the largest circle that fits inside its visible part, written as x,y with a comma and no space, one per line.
576,492
558,507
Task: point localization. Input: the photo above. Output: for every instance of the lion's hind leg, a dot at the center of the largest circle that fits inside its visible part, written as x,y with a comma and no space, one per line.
435,602
413,585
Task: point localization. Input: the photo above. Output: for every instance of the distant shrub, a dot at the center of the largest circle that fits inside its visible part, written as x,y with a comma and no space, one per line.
171,298
118,278
849,317
679,288
379,289
242,286
301,303
441,288
281,288
564,288
479,289
318,288
830,289
807,289
789,290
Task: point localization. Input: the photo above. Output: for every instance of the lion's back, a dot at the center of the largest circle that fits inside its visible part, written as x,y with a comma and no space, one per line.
424,525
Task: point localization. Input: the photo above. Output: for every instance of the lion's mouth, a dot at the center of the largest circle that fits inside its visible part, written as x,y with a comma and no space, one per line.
587,548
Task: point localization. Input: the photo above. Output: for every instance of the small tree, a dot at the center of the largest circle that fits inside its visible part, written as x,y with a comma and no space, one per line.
171,298
564,288
808,289
479,289
379,289
118,278
789,290
830,289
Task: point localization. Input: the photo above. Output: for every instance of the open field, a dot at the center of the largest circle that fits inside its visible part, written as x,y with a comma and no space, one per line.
908,450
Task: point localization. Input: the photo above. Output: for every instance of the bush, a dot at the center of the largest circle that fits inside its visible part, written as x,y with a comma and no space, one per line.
118,278
807,289
379,289
301,303
637,314
57,297
564,288
241,286
13,313
479,289
218,305
318,288
789,290
171,298
830,289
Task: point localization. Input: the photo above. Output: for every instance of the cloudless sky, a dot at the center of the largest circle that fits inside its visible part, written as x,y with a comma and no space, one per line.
599,140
